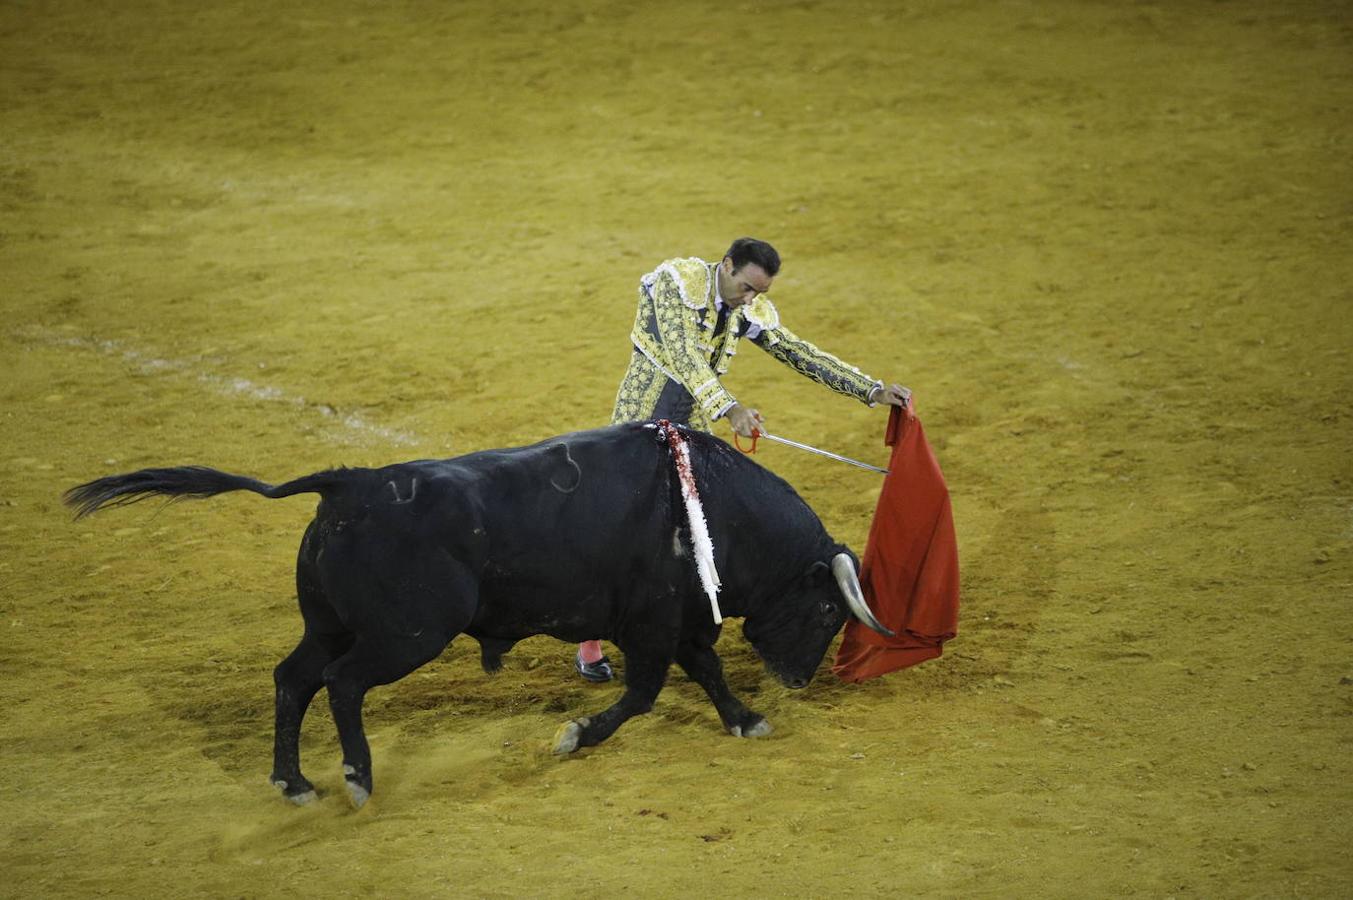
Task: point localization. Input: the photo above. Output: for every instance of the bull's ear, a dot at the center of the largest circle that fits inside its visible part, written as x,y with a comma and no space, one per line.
818,574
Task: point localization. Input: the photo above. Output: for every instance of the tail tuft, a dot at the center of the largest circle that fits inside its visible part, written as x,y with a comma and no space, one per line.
178,483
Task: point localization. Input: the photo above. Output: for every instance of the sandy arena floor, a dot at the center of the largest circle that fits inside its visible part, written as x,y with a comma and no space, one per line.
1107,244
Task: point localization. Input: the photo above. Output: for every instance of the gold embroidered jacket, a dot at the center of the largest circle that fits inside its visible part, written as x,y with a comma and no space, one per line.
684,341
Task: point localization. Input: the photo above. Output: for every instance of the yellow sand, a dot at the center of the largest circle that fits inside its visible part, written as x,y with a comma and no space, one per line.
1106,244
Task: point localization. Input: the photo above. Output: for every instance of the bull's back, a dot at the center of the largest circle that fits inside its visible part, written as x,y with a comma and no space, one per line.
557,536
575,529
582,502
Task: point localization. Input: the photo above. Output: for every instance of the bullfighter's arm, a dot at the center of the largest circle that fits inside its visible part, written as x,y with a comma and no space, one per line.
679,329
806,359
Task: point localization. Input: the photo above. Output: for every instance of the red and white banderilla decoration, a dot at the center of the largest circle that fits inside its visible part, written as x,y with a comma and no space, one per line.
695,514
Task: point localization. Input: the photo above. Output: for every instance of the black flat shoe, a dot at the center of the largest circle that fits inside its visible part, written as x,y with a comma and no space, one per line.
596,672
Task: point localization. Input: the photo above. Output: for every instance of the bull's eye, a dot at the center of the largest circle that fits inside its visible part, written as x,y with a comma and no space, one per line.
828,609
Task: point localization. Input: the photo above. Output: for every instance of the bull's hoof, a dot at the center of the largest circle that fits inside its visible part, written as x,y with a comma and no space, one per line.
567,737
358,792
299,794
759,728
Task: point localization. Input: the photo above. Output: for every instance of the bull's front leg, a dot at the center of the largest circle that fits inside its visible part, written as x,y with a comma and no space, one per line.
645,674
705,668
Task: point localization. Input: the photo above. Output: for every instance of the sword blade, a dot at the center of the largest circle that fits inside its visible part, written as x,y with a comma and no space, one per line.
836,456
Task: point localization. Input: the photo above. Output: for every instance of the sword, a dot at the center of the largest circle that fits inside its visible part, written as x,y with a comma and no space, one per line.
836,456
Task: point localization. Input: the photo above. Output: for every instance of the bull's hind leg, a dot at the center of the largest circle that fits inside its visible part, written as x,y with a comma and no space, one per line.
705,668
644,677
406,610
373,660
301,674
297,678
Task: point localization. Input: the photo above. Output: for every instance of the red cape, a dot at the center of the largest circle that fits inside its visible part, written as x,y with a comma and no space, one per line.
910,568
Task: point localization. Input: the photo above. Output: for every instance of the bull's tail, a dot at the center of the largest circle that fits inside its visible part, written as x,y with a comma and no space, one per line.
184,482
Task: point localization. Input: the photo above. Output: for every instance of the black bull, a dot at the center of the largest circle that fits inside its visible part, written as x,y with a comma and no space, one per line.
581,536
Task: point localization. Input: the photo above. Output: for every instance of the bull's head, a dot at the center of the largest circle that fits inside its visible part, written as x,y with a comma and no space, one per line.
793,633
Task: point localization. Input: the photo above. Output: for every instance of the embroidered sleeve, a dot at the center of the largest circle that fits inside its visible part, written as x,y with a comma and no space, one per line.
686,359
770,335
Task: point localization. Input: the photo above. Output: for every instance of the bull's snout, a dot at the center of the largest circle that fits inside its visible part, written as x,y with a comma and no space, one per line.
794,682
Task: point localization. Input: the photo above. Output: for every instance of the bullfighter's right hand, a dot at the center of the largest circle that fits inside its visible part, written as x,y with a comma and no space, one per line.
745,421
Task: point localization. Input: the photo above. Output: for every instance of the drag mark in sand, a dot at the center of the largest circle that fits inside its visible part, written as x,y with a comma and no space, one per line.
230,386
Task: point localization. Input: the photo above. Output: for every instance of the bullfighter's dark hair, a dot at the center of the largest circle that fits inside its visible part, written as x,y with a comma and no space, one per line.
749,250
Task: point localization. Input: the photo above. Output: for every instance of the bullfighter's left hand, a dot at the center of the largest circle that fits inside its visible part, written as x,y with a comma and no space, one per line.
893,395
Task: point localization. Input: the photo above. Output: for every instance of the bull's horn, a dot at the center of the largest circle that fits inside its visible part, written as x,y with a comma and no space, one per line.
843,567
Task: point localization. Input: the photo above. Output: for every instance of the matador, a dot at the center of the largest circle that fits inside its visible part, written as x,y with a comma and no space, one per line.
692,315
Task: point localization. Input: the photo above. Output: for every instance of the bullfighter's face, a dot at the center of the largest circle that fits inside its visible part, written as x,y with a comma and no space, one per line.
741,286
